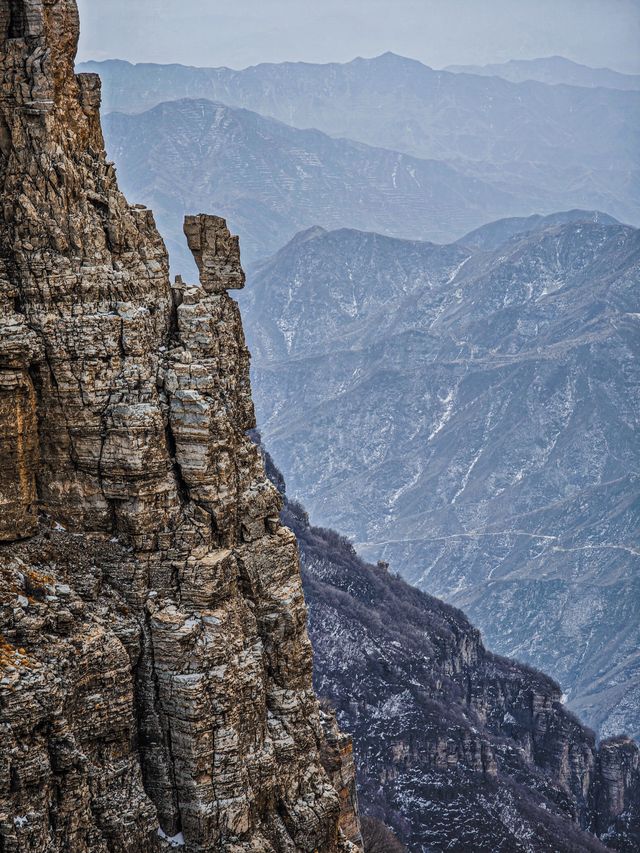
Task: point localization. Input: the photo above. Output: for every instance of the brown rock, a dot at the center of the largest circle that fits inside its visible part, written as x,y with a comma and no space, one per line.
164,691
216,253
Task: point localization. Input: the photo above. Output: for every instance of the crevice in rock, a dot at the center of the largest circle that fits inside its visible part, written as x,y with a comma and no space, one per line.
181,486
162,721
173,330
17,21
121,346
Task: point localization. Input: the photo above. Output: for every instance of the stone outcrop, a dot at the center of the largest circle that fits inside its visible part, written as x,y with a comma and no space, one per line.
216,253
155,668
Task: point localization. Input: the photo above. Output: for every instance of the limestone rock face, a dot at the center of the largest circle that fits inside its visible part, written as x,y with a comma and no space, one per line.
216,253
155,668
18,433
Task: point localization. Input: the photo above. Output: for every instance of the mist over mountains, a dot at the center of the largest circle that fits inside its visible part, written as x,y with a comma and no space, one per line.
270,179
464,410
534,148
467,413
554,70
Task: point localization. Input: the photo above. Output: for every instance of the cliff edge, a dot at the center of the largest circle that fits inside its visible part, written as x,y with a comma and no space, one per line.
155,668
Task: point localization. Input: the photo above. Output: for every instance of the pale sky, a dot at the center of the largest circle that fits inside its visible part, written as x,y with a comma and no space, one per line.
437,32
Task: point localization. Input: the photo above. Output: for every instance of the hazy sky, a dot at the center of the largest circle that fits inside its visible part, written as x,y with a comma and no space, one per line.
438,32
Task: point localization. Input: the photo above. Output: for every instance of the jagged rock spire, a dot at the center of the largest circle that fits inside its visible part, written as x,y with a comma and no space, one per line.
216,253
155,668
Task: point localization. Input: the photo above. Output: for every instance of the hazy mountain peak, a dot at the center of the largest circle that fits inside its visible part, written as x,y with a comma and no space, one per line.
552,70
305,236
493,234
391,58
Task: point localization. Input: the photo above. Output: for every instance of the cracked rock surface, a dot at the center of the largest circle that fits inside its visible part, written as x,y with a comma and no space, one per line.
155,668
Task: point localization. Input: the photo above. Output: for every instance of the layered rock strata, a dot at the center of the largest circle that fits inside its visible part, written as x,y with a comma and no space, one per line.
155,668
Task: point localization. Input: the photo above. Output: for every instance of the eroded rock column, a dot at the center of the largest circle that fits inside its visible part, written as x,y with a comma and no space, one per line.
154,607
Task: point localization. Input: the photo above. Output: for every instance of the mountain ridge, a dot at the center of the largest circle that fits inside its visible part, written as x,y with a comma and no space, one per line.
268,178
509,67
548,147
439,722
481,405
555,70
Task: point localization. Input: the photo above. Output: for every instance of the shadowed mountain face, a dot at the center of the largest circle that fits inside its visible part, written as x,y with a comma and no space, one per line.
456,749
555,146
467,413
270,179
553,70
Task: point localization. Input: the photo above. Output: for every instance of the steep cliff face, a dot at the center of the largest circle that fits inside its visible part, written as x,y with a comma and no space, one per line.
457,749
155,668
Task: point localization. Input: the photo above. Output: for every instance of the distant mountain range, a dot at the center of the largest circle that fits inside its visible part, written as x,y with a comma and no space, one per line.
469,414
464,409
553,70
394,102
543,148
270,180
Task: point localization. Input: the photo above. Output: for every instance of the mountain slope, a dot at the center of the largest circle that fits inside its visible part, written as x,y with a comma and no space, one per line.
399,103
456,748
270,180
556,146
552,70
470,417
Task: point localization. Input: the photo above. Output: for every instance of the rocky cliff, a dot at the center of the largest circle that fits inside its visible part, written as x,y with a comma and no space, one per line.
457,749
155,668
